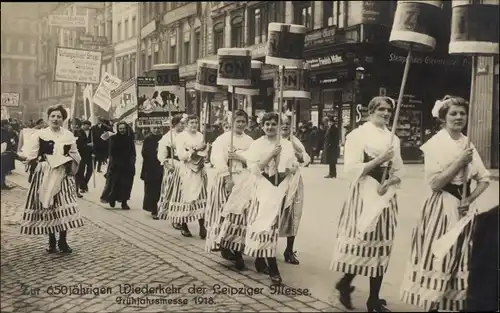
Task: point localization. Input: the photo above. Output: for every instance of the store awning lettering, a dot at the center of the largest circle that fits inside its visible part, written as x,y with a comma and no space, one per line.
328,60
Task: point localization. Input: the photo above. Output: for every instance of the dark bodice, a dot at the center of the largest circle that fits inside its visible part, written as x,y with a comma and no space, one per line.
169,154
47,147
272,179
378,172
456,190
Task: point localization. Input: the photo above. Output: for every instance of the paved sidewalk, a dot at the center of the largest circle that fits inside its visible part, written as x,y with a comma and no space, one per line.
112,252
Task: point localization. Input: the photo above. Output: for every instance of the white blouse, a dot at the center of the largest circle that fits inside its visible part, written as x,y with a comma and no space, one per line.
221,146
186,142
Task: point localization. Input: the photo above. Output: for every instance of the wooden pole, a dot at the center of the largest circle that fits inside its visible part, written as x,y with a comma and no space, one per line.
231,146
469,120
280,110
171,134
398,105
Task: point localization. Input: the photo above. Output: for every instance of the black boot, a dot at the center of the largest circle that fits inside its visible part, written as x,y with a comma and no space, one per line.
377,305
62,243
239,263
291,257
261,266
274,273
203,230
185,230
125,205
345,289
112,203
52,243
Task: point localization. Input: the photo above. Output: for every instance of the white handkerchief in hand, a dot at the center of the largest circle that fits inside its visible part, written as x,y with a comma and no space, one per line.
371,212
442,246
57,160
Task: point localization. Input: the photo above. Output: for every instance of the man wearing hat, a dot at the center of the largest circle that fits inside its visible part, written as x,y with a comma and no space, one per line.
331,147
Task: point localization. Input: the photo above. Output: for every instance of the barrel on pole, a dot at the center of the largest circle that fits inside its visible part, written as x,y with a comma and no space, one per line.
415,25
235,67
252,90
297,82
474,27
206,76
285,44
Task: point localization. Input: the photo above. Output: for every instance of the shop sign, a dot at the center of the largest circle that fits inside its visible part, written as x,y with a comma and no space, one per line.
328,60
376,12
320,37
396,58
93,40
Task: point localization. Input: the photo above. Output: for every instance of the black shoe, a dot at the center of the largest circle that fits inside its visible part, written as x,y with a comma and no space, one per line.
125,206
276,280
378,305
52,244
112,204
155,216
63,246
82,191
185,231
203,232
345,295
227,255
177,226
79,195
261,266
239,263
291,257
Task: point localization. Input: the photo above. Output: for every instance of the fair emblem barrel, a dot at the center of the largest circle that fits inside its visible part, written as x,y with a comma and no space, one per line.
235,67
165,74
297,83
416,24
206,76
474,27
252,90
285,44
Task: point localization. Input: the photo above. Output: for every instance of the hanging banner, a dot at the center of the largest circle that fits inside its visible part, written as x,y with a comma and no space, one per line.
10,99
68,21
153,102
77,66
102,96
123,99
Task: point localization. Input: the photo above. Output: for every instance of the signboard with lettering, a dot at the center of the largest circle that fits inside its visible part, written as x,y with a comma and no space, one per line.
10,99
93,40
77,66
320,37
68,21
426,59
102,96
376,12
327,60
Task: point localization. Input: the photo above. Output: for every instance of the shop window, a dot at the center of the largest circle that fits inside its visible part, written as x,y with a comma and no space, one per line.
328,13
237,32
218,36
303,13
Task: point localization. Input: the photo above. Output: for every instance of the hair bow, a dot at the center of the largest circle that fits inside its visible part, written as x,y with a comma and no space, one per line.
437,106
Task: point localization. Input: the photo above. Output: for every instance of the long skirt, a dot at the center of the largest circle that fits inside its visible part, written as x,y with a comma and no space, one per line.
368,256
426,280
166,192
179,210
62,215
118,185
291,216
152,190
215,204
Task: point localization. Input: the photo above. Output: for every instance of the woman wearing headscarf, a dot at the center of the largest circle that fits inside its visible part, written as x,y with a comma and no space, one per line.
253,212
436,277
189,180
168,158
121,167
151,172
367,221
224,181
51,205
291,214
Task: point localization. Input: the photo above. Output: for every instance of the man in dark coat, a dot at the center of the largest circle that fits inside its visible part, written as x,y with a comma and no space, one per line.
331,147
100,145
482,291
152,172
85,148
253,130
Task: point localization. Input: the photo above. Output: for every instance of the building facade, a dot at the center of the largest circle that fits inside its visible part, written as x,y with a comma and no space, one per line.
95,36
18,54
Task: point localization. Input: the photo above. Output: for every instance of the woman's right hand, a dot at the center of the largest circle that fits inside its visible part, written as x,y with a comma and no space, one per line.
387,155
466,156
276,151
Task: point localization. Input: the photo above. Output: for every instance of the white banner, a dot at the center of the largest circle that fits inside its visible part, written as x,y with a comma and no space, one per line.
10,99
68,21
78,66
102,96
123,99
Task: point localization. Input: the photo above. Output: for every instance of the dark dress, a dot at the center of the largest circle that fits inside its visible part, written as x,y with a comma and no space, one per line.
121,169
482,291
151,173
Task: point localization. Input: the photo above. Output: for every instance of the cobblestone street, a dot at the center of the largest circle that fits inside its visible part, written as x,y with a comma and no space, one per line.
111,253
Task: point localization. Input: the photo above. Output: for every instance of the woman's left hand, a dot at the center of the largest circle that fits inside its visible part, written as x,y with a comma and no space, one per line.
293,169
382,188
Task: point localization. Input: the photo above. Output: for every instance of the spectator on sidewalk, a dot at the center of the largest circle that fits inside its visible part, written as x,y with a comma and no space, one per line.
151,172
85,148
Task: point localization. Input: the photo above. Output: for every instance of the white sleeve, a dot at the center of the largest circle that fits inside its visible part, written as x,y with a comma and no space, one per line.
218,156
180,145
397,168
353,156
31,147
480,173
161,155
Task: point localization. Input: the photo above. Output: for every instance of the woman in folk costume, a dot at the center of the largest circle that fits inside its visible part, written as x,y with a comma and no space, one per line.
224,182
151,172
256,204
291,215
436,277
367,221
167,153
189,194
51,201
121,168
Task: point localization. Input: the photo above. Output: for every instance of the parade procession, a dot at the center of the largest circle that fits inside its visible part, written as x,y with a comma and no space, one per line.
147,191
